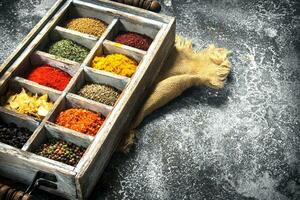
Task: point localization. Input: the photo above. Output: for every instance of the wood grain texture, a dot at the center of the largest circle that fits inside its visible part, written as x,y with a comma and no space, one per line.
22,166
120,82
88,76
135,11
31,35
39,58
85,40
106,140
130,13
91,105
68,135
29,48
112,47
95,50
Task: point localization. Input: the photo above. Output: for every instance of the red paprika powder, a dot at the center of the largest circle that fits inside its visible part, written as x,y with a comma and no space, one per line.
135,40
50,76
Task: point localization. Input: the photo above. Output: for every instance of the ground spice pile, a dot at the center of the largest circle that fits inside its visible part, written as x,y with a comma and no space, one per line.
115,63
30,104
61,151
50,76
135,40
87,25
14,136
80,120
101,93
69,50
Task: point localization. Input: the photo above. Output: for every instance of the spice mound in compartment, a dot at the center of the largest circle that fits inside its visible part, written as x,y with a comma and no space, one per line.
69,50
50,76
87,25
101,93
28,103
135,40
115,63
80,120
13,135
61,151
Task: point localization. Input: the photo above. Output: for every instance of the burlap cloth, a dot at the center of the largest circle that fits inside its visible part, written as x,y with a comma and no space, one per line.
183,69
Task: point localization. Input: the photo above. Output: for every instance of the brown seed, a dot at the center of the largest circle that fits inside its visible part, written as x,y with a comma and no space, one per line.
87,25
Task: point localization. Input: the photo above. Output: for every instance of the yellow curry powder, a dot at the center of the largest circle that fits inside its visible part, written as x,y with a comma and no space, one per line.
115,63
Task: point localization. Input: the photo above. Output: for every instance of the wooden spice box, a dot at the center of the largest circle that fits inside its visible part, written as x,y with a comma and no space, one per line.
77,182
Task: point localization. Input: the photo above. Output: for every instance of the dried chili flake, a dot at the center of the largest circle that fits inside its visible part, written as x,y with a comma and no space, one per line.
80,120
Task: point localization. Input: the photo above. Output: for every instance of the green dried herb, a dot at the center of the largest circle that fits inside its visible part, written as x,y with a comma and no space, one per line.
101,93
69,50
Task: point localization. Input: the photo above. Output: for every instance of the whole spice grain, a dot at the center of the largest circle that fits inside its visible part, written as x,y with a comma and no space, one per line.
69,50
61,151
13,135
28,103
50,76
80,120
87,25
115,63
101,93
135,40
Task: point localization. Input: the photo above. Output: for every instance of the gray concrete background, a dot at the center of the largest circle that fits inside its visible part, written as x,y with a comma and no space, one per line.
238,143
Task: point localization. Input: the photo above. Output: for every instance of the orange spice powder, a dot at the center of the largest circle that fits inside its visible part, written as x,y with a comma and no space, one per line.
80,120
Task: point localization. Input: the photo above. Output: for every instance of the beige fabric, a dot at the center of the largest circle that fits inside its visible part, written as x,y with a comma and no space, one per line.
183,69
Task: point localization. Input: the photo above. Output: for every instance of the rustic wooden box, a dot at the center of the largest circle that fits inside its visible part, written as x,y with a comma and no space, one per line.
78,182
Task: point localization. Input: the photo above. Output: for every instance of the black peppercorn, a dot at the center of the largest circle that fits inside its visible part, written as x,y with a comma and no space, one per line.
12,135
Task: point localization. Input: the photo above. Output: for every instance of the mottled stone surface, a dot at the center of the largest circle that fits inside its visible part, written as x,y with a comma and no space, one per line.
239,143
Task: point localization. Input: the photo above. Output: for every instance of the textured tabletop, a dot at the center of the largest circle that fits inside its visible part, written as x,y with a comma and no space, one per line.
242,142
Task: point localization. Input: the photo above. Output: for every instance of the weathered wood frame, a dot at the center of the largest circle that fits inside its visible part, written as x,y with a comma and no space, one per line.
77,182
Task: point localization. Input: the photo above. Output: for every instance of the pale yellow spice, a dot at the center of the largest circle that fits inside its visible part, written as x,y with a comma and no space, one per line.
115,63
30,104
